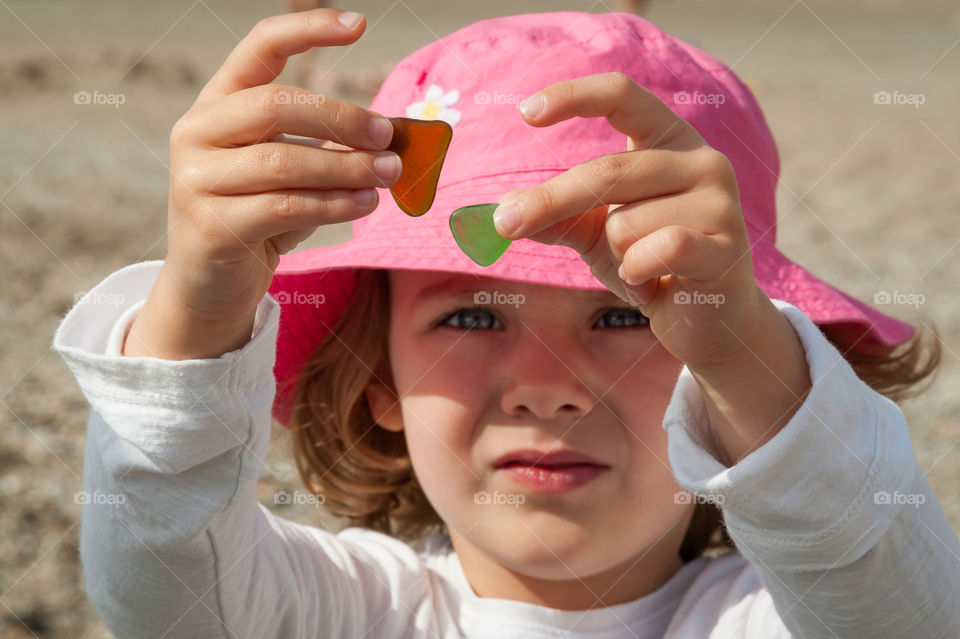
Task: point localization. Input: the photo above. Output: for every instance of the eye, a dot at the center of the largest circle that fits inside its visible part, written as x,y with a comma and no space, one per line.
480,318
622,318
471,318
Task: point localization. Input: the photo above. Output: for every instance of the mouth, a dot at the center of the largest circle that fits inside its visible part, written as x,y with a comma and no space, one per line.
555,472
553,479
554,459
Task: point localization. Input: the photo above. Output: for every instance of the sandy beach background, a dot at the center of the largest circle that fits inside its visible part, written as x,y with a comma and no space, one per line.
868,201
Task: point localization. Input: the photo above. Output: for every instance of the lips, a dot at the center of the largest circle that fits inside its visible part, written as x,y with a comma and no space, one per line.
554,459
546,473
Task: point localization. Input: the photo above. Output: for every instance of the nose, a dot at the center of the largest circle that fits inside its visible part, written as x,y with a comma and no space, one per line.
546,378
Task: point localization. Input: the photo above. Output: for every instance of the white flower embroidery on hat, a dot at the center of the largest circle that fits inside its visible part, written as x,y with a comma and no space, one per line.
436,106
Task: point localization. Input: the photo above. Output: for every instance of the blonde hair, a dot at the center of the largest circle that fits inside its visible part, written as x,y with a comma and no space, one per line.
364,472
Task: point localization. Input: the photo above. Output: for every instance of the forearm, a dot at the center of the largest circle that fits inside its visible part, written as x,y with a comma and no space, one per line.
173,453
750,397
835,503
904,586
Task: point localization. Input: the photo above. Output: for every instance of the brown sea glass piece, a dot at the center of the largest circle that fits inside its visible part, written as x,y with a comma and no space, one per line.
422,146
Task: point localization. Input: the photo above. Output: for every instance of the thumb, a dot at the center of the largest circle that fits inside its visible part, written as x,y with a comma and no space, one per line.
641,294
584,232
509,195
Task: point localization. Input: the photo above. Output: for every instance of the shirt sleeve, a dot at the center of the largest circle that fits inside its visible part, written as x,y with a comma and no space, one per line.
833,512
173,541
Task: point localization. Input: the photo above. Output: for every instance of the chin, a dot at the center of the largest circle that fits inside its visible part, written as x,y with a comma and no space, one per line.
545,547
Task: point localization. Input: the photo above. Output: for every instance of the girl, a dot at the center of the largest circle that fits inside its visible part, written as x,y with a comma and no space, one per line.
537,448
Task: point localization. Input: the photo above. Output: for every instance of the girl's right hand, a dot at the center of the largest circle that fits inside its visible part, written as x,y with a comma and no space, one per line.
242,194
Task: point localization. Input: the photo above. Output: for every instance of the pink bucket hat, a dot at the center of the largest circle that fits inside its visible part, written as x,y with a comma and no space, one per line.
474,79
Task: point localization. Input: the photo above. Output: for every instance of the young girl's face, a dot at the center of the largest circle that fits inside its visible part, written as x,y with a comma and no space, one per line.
484,367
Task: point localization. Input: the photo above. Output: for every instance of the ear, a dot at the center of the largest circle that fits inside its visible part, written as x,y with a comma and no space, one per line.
384,406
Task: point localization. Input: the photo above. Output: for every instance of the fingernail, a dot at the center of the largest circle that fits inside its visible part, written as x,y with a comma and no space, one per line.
366,197
381,130
633,296
350,19
532,106
623,274
506,218
388,166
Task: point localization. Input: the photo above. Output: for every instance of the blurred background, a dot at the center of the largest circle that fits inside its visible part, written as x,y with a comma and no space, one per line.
868,200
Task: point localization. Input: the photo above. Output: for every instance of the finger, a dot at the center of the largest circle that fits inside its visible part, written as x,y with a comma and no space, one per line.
260,113
261,55
610,179
259,216
273,166
628,107
676,250
698,210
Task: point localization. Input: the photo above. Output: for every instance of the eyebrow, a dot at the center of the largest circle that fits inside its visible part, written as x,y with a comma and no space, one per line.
448,288
456,287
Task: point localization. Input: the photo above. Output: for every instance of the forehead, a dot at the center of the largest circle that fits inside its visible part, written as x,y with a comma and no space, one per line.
416,287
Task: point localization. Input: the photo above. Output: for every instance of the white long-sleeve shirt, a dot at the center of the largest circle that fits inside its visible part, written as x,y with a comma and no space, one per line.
832,539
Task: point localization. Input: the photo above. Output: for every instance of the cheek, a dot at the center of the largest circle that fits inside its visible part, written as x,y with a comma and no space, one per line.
442,394
644,418
438,364
650,474
642,388
438,383
643,394
442,390
441,387
440,435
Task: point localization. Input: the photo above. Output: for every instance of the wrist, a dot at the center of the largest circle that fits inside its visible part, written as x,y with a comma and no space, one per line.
752,394
167,328
746,332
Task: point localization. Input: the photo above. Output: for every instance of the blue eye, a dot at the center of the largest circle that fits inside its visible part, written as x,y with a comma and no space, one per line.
623,318
472,318
479,318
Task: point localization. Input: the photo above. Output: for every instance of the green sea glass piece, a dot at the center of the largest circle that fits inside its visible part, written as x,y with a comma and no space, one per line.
477,237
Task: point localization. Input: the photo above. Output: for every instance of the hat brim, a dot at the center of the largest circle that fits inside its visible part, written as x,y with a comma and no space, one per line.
313,286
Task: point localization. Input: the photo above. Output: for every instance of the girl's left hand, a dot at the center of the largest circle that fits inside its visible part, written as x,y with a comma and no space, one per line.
678,230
